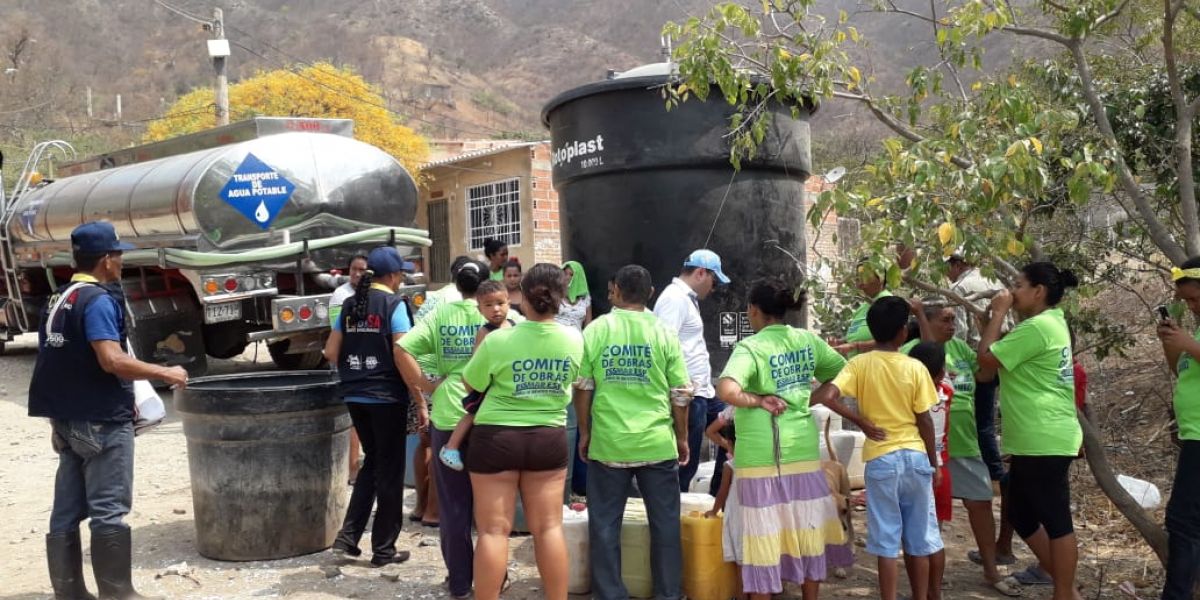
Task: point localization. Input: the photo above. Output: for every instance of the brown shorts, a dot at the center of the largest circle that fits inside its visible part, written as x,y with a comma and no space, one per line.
498,448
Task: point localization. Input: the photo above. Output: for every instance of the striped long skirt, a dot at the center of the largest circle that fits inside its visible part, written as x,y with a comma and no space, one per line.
789,524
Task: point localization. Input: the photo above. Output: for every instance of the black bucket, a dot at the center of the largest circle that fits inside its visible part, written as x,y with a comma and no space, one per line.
268,458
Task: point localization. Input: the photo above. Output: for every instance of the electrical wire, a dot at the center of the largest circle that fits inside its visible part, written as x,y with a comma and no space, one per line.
490,131
183,13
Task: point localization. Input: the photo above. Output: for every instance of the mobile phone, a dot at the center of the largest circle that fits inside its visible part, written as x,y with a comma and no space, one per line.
1163,315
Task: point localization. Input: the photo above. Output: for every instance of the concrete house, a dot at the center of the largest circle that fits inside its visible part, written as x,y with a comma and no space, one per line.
475,190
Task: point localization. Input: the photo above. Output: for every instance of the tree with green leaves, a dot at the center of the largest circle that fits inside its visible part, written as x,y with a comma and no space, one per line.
1001,167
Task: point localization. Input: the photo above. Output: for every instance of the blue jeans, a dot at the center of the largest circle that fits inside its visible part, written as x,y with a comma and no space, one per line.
697,417
95,474
901,511
1183,526
607,490
985,425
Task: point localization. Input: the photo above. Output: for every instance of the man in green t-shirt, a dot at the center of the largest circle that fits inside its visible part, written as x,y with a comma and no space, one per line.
632,400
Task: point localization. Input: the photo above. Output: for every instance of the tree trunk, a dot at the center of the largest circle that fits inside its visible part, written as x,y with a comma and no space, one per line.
1155,536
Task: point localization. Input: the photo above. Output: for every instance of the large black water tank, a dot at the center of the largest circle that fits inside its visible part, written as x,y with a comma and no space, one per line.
640,184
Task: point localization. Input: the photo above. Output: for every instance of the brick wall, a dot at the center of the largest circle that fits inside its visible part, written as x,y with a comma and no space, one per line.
820,243
547,241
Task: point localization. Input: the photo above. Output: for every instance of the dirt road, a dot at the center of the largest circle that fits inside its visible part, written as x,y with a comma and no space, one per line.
164,533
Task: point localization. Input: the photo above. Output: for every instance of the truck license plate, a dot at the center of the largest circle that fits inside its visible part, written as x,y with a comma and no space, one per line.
220,313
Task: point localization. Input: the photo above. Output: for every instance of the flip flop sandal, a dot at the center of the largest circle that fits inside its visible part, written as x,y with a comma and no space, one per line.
1001,561
1033,575
415,518
1009,587
430,524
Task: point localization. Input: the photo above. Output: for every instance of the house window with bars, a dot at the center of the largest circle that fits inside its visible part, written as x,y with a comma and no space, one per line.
494,211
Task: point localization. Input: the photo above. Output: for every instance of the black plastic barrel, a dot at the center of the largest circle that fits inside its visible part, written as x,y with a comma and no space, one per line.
268,458
640,184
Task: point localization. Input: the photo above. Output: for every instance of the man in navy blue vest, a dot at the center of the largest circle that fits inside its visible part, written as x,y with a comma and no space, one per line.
81,382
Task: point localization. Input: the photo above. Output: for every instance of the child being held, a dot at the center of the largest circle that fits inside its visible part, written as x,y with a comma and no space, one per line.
492,299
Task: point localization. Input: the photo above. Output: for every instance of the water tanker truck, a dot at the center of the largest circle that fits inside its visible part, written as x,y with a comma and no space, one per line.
238,229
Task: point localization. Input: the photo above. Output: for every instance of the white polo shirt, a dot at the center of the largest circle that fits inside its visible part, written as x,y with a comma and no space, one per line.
678,307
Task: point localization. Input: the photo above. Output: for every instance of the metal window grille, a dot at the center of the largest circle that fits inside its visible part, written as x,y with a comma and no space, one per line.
494,211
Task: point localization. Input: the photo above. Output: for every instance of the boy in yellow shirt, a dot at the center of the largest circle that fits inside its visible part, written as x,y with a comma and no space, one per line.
894,395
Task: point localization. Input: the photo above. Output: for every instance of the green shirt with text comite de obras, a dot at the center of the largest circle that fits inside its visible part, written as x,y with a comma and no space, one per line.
635,362
527,371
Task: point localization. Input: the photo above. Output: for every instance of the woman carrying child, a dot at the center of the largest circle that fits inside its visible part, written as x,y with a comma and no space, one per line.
1041,429
787,513
518,443
448,336
492,300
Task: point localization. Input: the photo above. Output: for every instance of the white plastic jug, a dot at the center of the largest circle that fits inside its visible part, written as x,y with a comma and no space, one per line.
848,448
821,414
699,502
575,530
703,478
1145,493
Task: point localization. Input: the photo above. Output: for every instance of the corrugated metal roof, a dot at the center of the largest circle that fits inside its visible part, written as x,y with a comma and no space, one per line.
478,154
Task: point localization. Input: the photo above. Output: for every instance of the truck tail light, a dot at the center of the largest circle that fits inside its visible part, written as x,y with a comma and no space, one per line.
287,315
211,287
231,284
306,313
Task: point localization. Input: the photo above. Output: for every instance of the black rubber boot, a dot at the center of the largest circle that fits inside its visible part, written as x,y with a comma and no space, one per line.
65,558
112,563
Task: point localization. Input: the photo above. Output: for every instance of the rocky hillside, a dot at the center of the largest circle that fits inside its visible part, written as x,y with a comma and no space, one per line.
452,68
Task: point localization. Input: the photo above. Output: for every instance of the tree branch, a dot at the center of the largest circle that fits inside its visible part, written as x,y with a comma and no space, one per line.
1154,226
895,124
1183,135
949,295
1038,33
1005,267
1110,16
1106,479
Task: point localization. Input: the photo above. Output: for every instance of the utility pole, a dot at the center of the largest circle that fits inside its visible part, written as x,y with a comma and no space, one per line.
218,49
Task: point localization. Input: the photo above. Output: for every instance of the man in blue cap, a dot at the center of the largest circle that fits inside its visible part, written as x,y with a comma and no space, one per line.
81,382
678,307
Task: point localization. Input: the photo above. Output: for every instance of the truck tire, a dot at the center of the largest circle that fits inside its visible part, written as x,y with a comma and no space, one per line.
304,361
225,340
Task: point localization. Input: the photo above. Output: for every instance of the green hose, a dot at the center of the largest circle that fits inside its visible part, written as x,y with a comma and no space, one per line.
174,257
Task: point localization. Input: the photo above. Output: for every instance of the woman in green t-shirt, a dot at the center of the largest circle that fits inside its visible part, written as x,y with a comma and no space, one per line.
444,341
1182,351
1041,428
496,252
778,475
519,440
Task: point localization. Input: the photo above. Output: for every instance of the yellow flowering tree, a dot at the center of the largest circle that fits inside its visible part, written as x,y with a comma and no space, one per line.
319,90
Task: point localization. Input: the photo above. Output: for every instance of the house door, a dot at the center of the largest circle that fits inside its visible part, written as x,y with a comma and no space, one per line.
439,232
